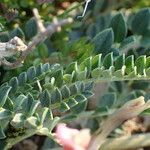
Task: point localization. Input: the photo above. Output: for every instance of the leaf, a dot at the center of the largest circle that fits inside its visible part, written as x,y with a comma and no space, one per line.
68,117
141,22
108,73
14,84
88,86
46,67
120,62
58,75
72,102
30,28
30,105
18,120
45,99
97,73
88,94
65,92
129,63
92,30
148,62
45,113
101,111
2,134
22,78
4,84
102,21
67,78
80,86
39,70
31,122
96,61
53,123
99,6
24,4
108,61
4,91
93,124
42,50
17,32
8,104
71,67
5,114
120,73
141,64
79,108
17,102
103,41
64,107
133,74
4,37
119,27
56,96
31,73
145,41
80,98
107,100
127,43
73,89
81,75
27,88
86,64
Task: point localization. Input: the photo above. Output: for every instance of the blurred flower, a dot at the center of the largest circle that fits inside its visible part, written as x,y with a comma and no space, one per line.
73,139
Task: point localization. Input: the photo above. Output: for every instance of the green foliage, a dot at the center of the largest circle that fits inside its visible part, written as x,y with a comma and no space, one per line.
30,28
17,32
2,23
3,94
103,41
24,108
57,79
61,95
107,100
119,27
142,27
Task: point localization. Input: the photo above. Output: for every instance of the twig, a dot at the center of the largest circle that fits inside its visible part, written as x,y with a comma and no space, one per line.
11,47
127,142
129,110
41,36
39,22
85,8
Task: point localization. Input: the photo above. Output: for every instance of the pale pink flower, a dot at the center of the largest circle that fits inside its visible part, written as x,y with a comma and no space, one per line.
73,139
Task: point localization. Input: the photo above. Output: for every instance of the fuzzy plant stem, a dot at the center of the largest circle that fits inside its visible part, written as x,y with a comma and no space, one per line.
127,142
10,142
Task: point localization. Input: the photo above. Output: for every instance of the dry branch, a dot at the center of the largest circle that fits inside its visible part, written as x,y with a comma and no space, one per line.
129,110
127,142
41,36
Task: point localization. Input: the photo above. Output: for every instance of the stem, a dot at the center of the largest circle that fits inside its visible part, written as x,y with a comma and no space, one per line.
66,12
127,142
10,142
39,86
87,115
129,110
41,36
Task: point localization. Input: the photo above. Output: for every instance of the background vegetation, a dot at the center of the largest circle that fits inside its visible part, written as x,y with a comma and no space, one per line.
110,45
